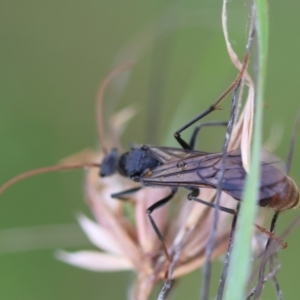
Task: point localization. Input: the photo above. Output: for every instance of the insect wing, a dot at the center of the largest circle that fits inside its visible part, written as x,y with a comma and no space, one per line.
190,169
273,177
168,154
200,169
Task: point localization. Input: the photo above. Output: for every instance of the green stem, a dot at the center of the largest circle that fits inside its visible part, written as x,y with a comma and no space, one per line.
240,265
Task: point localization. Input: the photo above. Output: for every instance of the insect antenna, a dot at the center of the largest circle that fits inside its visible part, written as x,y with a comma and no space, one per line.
44,170
268,253
65,167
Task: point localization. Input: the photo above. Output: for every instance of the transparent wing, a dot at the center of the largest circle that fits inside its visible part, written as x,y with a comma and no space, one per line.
199,169
168,154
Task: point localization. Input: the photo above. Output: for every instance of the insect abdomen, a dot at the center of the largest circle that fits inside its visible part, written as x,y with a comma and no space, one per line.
285,200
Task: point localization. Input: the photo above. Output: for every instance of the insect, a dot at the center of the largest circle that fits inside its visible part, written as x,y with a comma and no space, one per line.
189,168
192,169
164,166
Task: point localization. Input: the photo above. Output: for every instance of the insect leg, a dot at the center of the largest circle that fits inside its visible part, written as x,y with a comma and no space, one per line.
191,196
154,207
270,234
122,195
198,127
213,107
177,135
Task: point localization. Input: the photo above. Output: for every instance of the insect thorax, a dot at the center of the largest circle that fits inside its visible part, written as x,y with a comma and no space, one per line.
136,162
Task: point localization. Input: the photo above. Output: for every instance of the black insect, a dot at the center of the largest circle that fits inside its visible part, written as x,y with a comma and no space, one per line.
191,169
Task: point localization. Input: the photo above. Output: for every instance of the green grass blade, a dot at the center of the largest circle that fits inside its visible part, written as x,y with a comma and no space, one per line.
240,265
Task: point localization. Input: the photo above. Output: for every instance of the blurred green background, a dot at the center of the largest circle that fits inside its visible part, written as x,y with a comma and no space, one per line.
53,56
